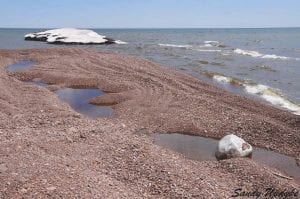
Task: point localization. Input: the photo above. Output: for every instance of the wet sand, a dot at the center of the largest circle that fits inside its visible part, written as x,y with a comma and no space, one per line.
47,149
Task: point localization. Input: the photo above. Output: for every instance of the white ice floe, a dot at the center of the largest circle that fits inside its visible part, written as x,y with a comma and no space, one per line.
263,91
70,36
264,56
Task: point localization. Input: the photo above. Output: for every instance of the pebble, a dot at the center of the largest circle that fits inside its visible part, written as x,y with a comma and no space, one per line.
3,168
51,188
23,190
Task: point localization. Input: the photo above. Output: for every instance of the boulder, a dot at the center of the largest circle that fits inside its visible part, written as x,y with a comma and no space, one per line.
71,36
232,146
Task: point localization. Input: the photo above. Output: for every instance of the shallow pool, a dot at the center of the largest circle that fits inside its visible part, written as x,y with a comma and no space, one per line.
20,65
201,149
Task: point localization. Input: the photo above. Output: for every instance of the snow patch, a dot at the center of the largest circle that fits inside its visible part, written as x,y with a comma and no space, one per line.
70,36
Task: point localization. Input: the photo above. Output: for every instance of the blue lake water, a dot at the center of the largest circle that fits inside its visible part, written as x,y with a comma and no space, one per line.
265,62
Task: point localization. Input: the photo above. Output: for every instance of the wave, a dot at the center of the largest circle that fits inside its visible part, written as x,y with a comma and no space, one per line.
211,42
273,97
120,42
208,50
221,78
265,92
203,62
200,48
176,46
264,56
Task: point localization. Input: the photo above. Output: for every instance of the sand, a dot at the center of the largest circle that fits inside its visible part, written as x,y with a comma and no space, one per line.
48,150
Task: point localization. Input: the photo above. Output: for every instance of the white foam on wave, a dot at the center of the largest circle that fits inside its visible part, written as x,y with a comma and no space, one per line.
211,42
222,79
273,97
120,42
263,91
201,48
176,46
207,45
264,56
208,50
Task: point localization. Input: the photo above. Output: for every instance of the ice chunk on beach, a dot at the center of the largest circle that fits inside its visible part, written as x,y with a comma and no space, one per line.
71,36
232,146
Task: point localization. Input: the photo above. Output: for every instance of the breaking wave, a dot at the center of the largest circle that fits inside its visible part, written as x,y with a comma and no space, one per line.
264,56
273,97
221,78
176,46
208,50
211,42
265,92
120,42
206,47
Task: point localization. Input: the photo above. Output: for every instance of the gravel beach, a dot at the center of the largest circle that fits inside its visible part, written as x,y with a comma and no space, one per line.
49,150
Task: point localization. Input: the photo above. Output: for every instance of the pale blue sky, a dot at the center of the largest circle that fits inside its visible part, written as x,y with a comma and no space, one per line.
149,13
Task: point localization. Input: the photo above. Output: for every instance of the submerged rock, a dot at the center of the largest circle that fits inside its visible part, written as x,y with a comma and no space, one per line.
232,146
71,36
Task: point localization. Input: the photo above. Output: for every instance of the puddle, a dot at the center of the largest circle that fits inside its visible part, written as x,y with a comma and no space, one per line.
20,66
41,84
78,99
201,149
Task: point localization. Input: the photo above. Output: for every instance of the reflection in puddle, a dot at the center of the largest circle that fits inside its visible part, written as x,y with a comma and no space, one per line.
200,148
39,84
20,65
78,99
193,147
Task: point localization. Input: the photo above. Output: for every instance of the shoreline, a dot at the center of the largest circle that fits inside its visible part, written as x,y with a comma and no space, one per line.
147,96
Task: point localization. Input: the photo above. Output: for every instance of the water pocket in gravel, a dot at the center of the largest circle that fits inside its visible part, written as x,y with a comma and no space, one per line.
20,65
200,148
78,99
39,84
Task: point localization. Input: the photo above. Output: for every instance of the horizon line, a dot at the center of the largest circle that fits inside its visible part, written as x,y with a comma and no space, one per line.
271,27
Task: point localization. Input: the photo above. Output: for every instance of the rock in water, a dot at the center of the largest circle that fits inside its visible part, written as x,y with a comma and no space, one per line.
71,36
232,146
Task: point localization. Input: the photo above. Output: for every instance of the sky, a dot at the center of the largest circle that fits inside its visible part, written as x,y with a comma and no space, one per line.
149,13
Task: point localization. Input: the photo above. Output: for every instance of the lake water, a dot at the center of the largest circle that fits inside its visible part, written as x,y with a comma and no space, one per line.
259,63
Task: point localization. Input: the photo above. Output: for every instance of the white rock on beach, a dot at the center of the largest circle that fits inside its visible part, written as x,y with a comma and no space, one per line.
71,36
232,146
